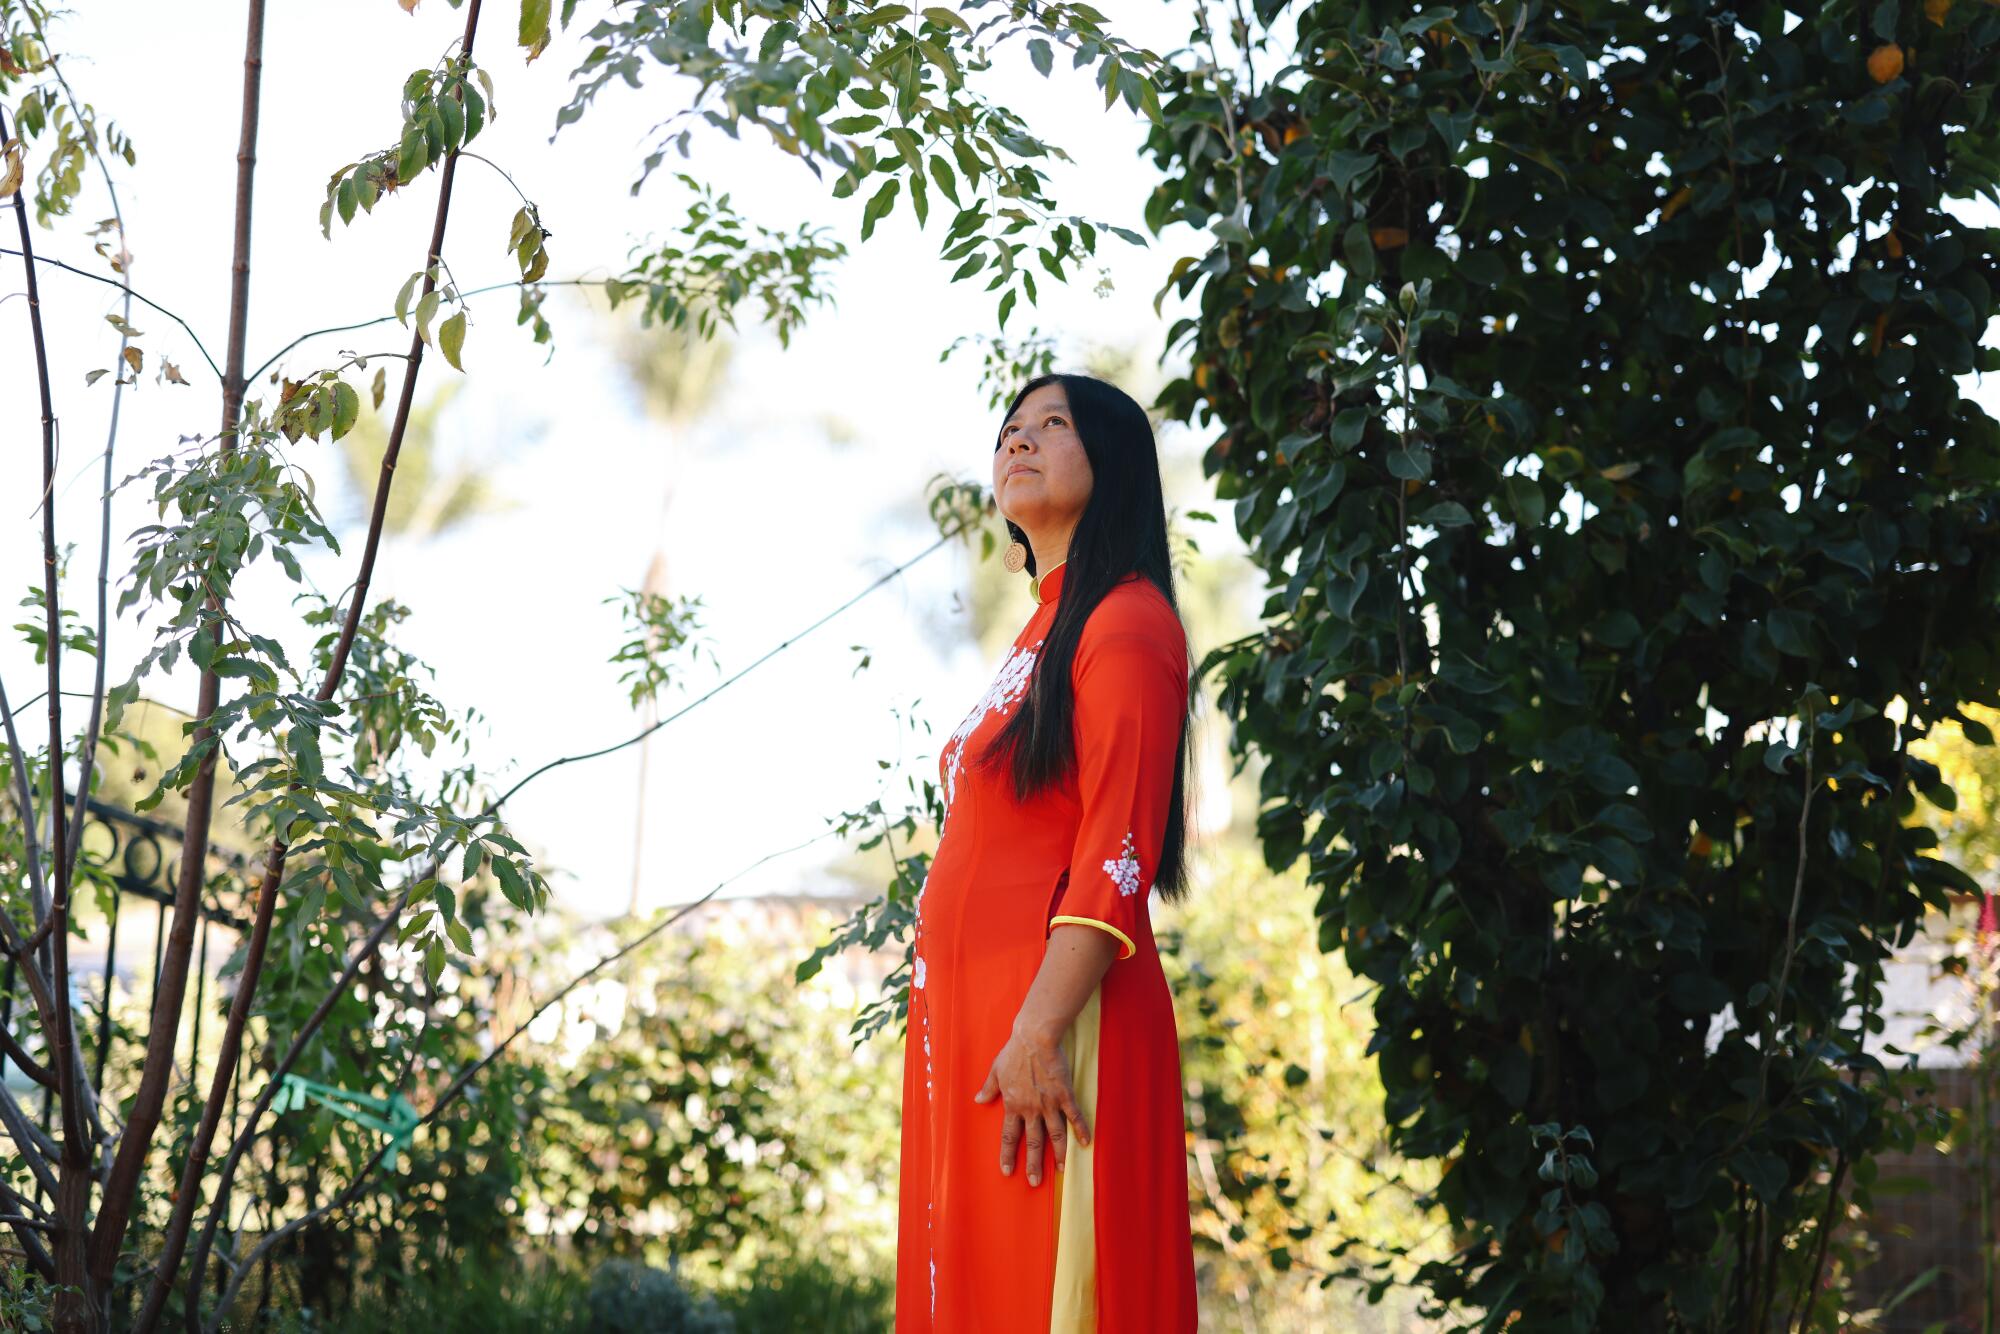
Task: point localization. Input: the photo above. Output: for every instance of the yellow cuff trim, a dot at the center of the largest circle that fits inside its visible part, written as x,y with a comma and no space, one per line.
1123,939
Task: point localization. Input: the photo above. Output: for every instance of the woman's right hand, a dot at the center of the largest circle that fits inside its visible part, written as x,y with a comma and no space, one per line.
1031,1078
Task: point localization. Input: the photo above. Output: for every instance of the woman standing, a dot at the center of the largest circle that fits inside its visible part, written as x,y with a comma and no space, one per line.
1044,1159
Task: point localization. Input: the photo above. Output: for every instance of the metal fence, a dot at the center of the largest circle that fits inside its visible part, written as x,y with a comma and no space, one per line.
140,859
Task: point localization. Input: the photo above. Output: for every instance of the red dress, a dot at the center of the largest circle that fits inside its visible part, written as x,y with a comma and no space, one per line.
1103,1246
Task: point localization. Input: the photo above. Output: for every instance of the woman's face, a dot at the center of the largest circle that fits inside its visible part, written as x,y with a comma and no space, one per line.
1041,476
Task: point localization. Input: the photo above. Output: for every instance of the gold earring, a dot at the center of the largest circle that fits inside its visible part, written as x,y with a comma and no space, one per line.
1015,558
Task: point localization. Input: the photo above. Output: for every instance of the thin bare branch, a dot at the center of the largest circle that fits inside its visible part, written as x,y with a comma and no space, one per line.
138,296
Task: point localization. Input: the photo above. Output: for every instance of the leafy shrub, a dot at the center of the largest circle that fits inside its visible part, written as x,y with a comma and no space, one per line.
627,1297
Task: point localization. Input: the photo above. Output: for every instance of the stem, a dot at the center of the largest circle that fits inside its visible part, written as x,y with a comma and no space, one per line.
73,1185
24,801
170,988
87,757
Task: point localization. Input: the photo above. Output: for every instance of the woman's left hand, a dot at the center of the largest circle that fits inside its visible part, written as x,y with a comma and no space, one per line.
1031,1078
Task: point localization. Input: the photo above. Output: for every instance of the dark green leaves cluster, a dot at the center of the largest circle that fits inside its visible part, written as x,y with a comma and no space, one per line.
444,109
1586,382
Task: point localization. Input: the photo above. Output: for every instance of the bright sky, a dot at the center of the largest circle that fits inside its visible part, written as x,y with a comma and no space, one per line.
773,519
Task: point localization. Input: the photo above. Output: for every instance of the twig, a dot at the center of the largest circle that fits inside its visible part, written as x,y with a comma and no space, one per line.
279,355
124,287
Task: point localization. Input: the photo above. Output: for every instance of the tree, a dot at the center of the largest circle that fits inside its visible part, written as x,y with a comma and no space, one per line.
1586,381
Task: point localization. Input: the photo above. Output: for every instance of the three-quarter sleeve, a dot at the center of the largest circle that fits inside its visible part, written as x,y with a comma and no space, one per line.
1131,690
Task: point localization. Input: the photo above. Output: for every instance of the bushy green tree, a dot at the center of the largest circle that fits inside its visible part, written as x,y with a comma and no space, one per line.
1586,380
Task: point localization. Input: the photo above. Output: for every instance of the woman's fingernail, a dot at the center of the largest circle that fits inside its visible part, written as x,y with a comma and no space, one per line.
1007,1170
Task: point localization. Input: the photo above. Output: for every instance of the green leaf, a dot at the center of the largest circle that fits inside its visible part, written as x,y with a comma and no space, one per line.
1039,53
512,885
403,298
1525,499
303,742
946,178
1411,464
878,205
1790,631
411,160
346,408
427,309
451,337
1344,169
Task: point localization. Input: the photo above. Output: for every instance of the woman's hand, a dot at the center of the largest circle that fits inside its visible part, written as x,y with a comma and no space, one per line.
1031,1077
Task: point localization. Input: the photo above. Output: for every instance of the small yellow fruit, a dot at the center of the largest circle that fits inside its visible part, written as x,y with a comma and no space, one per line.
1886,63
1935,10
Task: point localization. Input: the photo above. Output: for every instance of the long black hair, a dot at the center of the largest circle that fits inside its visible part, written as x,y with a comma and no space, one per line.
1123,530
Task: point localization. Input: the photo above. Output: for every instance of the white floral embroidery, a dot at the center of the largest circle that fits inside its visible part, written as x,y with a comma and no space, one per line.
920,982
1008,686
1124,868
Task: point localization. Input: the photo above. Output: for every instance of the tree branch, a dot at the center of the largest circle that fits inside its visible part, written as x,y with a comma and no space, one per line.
170,988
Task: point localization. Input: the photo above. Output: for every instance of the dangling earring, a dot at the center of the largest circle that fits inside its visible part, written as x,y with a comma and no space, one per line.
1015,558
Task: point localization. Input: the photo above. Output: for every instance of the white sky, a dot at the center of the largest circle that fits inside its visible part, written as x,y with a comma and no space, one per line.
772,521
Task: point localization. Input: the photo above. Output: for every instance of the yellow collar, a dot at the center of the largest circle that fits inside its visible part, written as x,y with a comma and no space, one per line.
1035,583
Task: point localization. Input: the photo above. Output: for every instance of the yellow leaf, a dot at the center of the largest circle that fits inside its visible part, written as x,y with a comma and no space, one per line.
171,373
135,359
1885,63
10,179
1677,203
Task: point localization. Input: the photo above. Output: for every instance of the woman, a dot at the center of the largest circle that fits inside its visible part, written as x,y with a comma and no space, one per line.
1044,1159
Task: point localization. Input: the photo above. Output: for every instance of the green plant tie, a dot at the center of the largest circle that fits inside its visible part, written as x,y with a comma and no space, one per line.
392,1116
